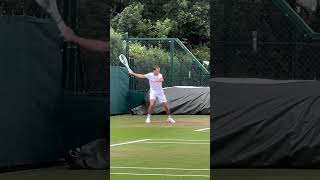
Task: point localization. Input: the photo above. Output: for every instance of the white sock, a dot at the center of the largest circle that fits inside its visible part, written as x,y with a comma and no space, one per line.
149,115
169,116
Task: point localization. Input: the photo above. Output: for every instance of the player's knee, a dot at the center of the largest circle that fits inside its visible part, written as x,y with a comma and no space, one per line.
151,104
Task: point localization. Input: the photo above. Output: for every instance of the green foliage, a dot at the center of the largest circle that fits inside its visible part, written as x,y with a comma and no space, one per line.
146,57
202,53
183,19
175,18
117,47
130,20
160,29
191,19
137,51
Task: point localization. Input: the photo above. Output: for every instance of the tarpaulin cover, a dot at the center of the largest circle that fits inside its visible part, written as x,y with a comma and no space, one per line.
265,123
182,100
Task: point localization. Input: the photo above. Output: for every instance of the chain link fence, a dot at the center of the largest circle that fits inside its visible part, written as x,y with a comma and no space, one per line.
178,65
264,39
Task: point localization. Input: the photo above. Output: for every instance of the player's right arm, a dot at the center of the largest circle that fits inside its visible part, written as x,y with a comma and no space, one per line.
91,44
137,75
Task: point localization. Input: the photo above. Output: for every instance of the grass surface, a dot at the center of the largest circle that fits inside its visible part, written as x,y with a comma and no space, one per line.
166,152
266,174
55,173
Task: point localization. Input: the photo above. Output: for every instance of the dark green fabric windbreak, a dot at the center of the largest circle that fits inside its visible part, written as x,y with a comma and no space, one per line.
84,119
119,89
30,93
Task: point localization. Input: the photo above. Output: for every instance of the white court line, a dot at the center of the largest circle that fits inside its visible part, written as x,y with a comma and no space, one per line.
130,142
171,175
171,143
147,168
178,140
181,141
204,129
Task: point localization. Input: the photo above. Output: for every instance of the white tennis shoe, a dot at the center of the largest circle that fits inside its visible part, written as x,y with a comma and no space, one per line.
170,120
148,121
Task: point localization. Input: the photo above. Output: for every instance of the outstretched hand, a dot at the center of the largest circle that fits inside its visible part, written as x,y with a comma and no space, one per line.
69,35
91,44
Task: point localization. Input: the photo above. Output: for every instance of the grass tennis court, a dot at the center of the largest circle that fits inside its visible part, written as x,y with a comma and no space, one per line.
266,174
160,150
55,173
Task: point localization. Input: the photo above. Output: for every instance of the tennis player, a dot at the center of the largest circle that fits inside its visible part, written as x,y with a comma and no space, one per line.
155,82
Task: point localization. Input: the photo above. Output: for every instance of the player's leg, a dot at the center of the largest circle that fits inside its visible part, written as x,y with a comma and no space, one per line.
166,108
151,106
164,102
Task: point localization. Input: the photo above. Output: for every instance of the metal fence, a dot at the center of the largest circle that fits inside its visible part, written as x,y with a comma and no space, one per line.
178,65
264,39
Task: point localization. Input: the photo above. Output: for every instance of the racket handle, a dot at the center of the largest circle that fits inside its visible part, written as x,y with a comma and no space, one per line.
129,69
62,27
50,6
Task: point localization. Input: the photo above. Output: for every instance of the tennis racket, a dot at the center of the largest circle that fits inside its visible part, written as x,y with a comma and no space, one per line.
50,6
124,61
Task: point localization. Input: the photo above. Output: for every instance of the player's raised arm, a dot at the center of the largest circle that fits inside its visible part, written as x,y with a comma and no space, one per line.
137,75
50,6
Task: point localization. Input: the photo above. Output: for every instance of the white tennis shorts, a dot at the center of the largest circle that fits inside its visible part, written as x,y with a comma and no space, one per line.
161,97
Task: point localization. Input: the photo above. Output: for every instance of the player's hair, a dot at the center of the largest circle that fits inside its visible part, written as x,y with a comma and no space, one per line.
155,67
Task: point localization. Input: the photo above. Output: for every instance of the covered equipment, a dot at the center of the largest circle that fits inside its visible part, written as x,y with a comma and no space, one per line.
182,100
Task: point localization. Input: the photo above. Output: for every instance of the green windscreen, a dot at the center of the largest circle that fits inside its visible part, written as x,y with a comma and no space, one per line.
119,90
30,93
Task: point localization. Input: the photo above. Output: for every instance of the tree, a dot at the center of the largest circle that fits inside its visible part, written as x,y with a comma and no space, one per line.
175,18
130,20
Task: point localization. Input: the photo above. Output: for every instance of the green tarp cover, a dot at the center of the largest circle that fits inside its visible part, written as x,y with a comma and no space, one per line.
39,122
119,90
83,119
30,93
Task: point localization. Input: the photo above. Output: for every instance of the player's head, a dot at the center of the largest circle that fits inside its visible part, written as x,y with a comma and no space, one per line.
156,70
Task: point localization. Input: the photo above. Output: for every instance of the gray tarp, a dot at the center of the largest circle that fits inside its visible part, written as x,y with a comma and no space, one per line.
182,100
94,155
265,123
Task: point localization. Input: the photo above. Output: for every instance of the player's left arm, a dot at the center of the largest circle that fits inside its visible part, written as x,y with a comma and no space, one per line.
161,79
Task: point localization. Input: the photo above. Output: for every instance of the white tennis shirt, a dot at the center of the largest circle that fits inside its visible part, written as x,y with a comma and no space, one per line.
155,87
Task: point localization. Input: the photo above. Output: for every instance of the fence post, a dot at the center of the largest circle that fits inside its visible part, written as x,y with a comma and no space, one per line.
171,62
125,39
71,51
